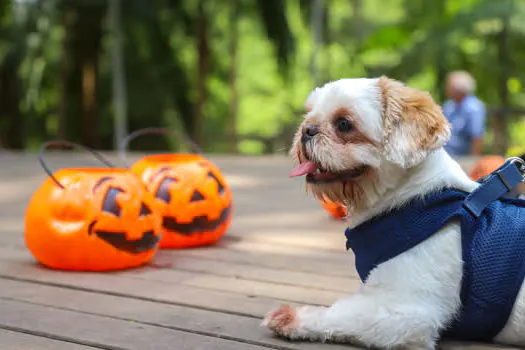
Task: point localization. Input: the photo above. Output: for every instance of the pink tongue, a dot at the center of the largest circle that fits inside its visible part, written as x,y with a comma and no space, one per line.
303,169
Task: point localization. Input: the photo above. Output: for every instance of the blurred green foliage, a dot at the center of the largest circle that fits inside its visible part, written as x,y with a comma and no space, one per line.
234,74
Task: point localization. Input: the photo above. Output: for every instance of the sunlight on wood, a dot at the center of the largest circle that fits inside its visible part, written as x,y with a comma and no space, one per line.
239,181
288,218
287,250
317,239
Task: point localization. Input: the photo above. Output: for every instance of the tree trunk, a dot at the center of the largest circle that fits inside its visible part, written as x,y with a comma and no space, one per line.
12,124
86,51
316,19
119,80
327,40
357,32
441,64
203,52
501,133
232,120
63,105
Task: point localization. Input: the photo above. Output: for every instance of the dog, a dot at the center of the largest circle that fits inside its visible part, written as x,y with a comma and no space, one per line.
376,144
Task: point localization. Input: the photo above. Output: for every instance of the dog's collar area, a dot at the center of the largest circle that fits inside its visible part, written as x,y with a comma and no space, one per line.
500,182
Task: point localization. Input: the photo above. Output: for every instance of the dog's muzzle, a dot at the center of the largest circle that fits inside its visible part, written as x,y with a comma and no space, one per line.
308,133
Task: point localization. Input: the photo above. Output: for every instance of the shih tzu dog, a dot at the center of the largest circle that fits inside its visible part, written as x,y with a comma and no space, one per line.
377,146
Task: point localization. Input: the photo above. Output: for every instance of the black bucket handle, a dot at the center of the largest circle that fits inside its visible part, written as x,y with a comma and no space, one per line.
69,145
158,131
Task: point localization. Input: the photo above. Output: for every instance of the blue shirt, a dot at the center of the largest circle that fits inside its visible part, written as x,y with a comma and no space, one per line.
468,122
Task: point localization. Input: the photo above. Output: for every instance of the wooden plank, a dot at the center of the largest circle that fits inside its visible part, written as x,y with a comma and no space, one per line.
312,228
188,285
268,290
170,293
313,237
11,340
180,262
180,318
242,271
202,322
281,249
107,332
341,266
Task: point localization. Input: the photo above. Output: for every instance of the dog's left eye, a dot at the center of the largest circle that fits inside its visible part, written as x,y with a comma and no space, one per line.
344,125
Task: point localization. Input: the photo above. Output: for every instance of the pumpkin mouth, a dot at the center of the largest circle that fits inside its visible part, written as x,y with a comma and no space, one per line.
148,241
198,224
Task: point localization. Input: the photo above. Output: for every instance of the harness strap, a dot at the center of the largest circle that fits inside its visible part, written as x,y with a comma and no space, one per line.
498,183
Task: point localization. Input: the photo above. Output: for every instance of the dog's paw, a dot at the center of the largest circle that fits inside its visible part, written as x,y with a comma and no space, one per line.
282,321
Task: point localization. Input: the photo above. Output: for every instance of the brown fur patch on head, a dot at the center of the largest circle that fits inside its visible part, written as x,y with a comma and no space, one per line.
356,136
413,124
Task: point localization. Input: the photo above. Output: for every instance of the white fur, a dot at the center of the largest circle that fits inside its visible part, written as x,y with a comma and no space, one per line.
407,300
357,95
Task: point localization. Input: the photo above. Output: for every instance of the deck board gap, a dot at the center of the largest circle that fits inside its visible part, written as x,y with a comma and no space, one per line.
59,338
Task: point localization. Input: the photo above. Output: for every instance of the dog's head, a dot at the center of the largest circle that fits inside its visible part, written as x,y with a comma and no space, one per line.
356,129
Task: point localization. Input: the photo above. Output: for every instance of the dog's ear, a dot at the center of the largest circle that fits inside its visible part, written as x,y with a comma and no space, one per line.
413,124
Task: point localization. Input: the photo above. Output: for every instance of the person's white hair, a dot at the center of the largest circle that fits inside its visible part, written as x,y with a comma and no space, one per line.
462,81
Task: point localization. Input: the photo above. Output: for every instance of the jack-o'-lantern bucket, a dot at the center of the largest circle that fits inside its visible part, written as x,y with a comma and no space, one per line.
336,210
192,196
91,219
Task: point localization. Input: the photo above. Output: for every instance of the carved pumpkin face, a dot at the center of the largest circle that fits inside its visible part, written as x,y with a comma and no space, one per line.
192,196
337,210
103,219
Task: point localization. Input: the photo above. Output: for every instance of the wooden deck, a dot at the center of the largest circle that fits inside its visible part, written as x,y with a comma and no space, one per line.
282,247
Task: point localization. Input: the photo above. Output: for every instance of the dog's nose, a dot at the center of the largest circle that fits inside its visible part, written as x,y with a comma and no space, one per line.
309,131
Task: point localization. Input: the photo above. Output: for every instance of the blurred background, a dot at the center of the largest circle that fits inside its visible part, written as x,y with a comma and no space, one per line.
234,74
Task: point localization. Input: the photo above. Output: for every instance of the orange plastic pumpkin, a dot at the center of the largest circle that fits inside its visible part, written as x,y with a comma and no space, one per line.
191,194
485,165
92,219
338,211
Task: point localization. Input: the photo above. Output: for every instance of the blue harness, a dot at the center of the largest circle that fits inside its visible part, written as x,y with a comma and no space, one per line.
493,246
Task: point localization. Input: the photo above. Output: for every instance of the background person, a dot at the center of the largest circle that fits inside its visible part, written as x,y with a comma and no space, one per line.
466,113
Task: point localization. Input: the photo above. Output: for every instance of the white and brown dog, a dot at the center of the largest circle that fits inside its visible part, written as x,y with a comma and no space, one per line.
375,144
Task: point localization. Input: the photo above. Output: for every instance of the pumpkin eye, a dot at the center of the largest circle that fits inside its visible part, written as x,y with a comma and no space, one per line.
144,210
100,182
220,187
343,125
163,192
159,172
110,203
196,197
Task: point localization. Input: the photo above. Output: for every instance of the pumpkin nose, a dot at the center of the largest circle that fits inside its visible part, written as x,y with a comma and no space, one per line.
309,131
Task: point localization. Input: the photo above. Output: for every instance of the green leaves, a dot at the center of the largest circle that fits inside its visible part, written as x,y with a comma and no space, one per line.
272,72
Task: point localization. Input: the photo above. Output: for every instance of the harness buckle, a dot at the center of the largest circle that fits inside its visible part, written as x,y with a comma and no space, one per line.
520,164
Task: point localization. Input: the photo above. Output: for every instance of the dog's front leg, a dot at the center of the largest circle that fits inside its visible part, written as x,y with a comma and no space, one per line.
371,320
